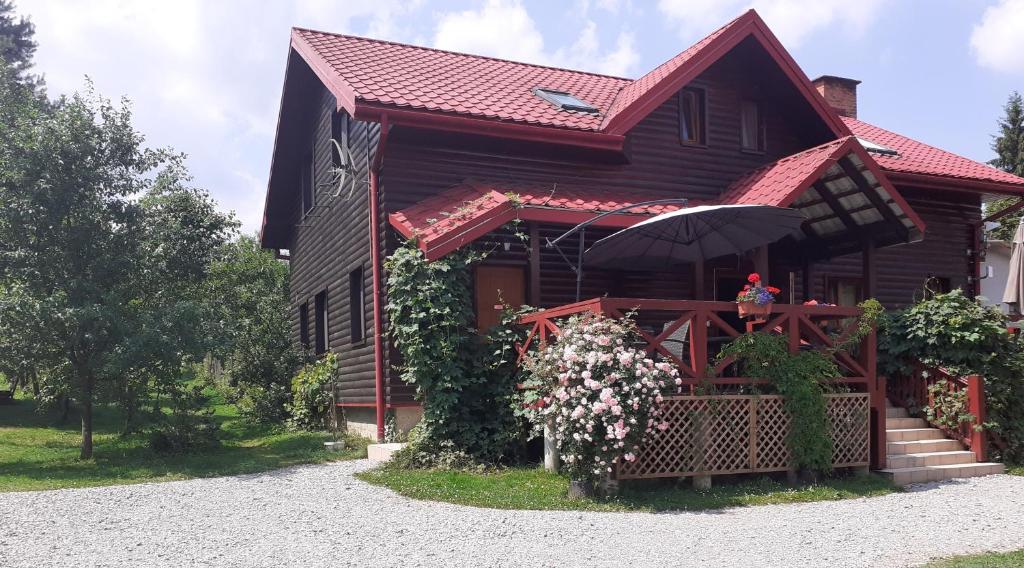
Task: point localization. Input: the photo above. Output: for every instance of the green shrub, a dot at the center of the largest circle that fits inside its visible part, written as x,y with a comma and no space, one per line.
311,398
189,426
958,333
262,404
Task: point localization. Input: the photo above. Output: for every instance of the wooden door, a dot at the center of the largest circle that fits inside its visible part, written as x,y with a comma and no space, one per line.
497,286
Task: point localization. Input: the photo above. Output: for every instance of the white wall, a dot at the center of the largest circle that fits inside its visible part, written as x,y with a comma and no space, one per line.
998,257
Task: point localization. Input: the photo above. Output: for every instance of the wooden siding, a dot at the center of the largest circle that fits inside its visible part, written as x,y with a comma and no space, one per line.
334,240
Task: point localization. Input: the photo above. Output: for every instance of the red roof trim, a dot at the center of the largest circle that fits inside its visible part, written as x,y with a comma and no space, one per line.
749,24
950,183
466,125
342,91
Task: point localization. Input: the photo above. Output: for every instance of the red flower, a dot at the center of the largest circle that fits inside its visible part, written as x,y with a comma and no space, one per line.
754,278
773,290
746,286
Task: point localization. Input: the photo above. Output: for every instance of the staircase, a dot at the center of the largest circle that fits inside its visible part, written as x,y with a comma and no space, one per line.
917,453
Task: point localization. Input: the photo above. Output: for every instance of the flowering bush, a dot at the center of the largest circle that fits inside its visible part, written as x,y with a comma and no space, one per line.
603,393
756,292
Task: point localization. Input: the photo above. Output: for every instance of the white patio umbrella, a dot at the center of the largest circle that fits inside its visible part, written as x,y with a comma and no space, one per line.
694,234
1014,293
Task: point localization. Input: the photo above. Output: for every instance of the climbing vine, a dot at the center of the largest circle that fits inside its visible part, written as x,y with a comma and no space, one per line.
799,379
463,380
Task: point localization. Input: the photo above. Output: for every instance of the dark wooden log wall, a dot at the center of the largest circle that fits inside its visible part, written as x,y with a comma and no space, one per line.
332,241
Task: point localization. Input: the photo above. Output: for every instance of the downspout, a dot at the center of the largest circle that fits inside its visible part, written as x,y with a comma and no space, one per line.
375,252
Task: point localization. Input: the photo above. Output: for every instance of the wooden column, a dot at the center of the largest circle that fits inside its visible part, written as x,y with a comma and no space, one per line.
761,263
534,286
868,270
808,281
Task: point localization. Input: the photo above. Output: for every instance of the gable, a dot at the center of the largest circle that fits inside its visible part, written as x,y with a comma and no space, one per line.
645,94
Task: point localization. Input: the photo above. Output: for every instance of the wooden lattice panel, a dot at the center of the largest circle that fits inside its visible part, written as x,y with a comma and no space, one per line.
722,434
850,420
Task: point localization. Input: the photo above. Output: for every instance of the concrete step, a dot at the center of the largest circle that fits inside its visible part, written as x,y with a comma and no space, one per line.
904,423
913,434
382,452
906,476
896,413
922,447
904,461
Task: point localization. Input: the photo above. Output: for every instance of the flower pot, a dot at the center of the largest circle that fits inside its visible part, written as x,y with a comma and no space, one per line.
753,309
581,489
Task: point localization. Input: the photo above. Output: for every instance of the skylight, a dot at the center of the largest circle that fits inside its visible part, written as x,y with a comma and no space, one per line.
564,100
877,148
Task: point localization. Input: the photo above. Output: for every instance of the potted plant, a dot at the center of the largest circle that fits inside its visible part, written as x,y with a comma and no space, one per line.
755,299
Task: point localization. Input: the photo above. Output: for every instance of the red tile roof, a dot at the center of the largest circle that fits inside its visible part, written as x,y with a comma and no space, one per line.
920,158
780,182
446,221
412,77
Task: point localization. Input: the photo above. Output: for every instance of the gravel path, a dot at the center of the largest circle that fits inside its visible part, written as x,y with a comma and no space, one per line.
321,516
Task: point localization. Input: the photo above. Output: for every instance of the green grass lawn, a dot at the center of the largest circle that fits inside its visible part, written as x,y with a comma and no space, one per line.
534,488
1014,469
993,560
36,453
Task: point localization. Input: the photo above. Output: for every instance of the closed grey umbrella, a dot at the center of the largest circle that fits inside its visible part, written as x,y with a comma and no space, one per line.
694,234
1014,292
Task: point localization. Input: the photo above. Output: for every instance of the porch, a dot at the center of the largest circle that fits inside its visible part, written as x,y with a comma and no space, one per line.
719,424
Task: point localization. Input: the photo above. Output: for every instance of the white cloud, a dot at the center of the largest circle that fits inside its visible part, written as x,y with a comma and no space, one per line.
998,40
505,29
793,21
204,77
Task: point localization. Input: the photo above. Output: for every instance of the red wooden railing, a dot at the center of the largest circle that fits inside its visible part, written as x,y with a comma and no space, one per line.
913,392
710,325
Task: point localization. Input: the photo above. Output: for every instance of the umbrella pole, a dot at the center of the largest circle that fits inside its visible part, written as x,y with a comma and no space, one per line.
579,262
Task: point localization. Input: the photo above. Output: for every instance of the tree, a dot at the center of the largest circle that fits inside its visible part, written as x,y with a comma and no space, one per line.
248,294
1009,148
17,46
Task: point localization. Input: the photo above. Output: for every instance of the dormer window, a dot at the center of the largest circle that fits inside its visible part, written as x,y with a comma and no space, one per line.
692,117
752,135
564,101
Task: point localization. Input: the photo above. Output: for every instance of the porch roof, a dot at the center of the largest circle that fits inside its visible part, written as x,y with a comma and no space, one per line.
453,218
839,188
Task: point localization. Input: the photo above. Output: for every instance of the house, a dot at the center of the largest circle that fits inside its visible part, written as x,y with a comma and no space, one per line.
448,148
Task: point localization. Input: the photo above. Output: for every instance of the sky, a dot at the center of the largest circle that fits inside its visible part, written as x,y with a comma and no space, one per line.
205,76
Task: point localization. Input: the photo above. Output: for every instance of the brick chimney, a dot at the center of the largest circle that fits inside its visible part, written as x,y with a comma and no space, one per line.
839,92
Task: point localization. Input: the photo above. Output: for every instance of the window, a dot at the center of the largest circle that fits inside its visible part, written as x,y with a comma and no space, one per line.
564,100
692,119
304,325
357,304
320,304
751,127
339,132
306,183
876,148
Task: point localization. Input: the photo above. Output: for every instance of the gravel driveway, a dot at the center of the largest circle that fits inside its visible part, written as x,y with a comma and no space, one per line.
321,516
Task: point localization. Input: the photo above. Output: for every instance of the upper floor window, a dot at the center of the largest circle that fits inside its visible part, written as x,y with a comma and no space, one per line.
751,127
339,132
692,117
306,184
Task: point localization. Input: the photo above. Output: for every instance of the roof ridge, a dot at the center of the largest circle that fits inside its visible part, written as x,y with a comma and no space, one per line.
464,54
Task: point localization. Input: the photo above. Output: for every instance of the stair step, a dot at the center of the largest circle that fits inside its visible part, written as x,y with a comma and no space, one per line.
906,476
892,412
904,423
922,447
904,461
913,434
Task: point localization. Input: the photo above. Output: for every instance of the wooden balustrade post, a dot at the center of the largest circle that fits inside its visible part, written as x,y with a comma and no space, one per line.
976,406
878,416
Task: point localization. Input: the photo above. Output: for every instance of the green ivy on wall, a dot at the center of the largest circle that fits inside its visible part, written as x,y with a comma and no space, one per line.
464,381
